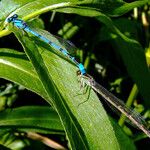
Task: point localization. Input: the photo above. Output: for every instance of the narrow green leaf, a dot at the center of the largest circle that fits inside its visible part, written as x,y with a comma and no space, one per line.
82,115
63,89
28,9
36,7
28,118
133,56
15,66
127,7
125,141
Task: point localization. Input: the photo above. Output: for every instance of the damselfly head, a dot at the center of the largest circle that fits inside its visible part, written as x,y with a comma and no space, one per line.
10,19
87,76
15,16
78,73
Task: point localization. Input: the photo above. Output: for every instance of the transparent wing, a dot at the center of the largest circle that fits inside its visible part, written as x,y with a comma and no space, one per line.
65,44
133,116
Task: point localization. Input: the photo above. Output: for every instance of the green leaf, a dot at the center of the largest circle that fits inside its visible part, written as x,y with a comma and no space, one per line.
133,56
128,27
82,115
28,9
125,141
14,63
127,7
36,7
11,141
60,82
28,118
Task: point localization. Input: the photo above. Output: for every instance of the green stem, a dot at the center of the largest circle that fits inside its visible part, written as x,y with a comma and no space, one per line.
4,33
129,102
87,61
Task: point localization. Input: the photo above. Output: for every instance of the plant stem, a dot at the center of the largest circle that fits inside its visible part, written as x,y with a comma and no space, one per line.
129,102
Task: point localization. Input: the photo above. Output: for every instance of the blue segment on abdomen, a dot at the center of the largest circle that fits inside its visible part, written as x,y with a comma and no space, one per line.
82,69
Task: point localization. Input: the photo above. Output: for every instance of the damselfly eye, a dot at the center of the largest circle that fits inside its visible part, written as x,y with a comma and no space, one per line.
15,16
9,19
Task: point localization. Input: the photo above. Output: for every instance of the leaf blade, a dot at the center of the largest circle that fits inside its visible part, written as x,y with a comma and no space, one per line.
28,118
